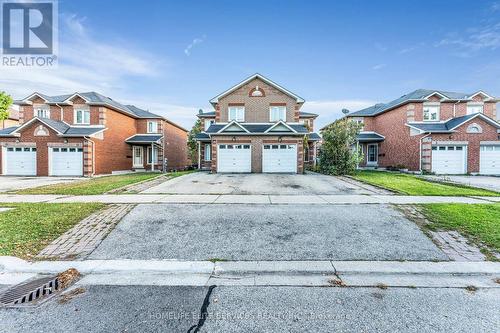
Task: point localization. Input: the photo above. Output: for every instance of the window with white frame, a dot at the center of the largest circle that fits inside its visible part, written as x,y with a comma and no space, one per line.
152,127
474,108
431,112
208,152
277,113
152,157
43,113
236,113
82,117
208,122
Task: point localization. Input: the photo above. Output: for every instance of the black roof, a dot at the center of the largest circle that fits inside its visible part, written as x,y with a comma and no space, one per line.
144,138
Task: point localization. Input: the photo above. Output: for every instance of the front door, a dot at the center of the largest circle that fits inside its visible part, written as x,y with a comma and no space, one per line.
138,161
372,155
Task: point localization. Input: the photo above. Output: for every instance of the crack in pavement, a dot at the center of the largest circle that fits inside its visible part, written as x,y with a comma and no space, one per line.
203,311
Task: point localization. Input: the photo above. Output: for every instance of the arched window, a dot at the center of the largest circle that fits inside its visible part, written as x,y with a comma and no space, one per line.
257,92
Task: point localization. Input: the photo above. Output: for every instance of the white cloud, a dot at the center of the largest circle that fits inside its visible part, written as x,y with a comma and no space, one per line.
486,37
379,66
195,42
329,111
85,63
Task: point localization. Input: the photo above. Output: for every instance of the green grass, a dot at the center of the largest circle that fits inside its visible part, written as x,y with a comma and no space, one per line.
28,228
480,222
97,185
412,185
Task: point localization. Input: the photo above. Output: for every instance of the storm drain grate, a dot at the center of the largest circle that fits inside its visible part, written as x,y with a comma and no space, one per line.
26,294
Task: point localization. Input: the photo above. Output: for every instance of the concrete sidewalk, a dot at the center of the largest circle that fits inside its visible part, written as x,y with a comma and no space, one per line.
243,199
262,273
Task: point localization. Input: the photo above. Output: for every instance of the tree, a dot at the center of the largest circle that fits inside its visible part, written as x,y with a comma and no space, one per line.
5,103
192,144
339,153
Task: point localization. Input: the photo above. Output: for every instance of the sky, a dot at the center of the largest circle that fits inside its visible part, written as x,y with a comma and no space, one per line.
172,57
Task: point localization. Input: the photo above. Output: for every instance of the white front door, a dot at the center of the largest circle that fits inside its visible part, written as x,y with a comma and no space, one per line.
489,161
19,161
449,159
372,155
234,158
66,161
279,158
138,159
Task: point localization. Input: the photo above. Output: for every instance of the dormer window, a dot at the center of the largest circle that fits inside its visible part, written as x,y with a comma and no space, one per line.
43,113
431,112
152,127
277,113
236,113
82,117
474,108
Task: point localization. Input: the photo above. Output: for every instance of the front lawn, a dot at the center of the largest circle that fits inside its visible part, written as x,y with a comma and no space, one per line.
97,185
412,185
479,222
28,228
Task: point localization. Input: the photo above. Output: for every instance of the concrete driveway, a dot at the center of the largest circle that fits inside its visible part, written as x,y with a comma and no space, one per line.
486,182
267,232
14,183
260,183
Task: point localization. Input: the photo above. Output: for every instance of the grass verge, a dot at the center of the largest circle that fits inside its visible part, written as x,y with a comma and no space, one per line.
412,185
480,223
99,185
28,228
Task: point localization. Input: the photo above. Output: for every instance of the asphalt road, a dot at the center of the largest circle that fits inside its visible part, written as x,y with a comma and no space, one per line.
271,232
261,309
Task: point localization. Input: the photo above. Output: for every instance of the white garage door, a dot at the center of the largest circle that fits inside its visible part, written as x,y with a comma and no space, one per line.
234,158
20,161
489,162
449,159
66,161
279,158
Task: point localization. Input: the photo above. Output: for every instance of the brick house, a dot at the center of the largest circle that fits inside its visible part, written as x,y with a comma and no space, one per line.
86,134
432,131
257,126
12,119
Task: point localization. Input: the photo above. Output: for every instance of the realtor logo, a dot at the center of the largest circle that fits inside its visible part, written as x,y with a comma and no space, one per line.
29,30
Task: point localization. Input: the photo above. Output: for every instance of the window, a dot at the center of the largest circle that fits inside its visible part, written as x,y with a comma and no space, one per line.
208,152
82,117
208,123
277,113
474,108
236,113
154,155
431,112
43,113
372,154
152,127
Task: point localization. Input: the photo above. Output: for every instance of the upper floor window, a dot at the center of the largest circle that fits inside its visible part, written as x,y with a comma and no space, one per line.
277,113
236,113
152,127
43,113
474,108
82,117
431,112
208,122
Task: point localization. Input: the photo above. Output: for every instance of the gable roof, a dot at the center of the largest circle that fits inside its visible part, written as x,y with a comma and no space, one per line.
282,124
257,128
451,124
419,95
262,78
370,137
61,128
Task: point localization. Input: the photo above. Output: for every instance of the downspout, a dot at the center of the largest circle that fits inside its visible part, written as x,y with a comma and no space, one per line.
420,150
62,110
152,157
199,155
455,109
93,154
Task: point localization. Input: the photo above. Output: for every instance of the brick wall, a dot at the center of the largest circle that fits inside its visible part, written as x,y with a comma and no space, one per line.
257,108
176,150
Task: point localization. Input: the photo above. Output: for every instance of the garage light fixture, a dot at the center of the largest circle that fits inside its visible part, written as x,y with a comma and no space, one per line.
234,138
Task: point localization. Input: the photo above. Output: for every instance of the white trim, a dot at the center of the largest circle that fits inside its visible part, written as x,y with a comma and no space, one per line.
280,123
157,155
372,132
31,96
450,143
75,110
133,157
152,122
238,108
257,76
483,117
230,124
371,163
431,105
33,120
437,93
209,152
74,95
271,109
489,143
482,93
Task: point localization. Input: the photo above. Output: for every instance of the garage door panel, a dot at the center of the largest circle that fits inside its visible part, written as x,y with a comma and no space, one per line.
489,161
449,159
279,158
20,161
66,162
234,158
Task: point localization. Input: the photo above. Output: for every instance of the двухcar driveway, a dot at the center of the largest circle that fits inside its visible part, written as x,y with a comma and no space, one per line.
267,232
